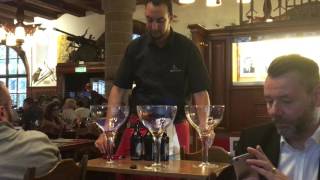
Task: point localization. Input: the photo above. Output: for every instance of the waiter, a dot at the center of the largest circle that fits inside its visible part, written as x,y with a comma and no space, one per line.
166,67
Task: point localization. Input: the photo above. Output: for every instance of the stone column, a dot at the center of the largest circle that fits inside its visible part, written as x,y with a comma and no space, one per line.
118,31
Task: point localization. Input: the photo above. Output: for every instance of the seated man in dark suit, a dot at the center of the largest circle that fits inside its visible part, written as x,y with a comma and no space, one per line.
289,146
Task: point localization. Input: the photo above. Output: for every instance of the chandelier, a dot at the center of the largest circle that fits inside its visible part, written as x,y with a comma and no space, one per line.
15,34
210,3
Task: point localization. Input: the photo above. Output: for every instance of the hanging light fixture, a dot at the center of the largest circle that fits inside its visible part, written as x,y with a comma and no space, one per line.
11,39
186,1
244,1
214,3
3,34
19,31
14,34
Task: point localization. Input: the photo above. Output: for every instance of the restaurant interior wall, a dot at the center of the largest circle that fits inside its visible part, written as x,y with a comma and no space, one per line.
209,17
245,105
45,54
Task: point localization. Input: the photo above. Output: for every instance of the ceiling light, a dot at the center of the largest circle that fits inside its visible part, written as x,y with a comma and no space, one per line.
14,34
244,1
20,32
186,1
214,3
11,39
3,34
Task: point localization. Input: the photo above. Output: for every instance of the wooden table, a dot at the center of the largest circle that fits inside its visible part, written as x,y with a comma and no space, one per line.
175,168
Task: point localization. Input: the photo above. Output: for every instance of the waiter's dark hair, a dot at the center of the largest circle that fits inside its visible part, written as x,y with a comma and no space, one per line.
168,3
306,68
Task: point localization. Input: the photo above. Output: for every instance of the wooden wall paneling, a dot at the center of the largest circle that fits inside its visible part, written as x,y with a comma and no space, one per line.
247,107
65,69
228,81
245,104
217,72
35,92
198,36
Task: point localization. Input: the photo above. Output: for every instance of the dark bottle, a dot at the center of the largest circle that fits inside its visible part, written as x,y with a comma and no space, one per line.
136,144
164,148
148,147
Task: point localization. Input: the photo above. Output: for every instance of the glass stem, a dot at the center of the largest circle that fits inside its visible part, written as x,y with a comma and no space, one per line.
204,141
157,142
109,148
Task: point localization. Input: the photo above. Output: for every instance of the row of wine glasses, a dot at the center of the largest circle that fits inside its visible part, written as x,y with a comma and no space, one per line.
156,118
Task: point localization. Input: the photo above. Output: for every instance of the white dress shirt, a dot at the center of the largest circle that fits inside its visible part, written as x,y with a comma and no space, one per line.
301,164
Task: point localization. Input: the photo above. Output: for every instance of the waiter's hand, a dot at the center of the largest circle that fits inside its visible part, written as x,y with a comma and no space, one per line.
101,143
263,165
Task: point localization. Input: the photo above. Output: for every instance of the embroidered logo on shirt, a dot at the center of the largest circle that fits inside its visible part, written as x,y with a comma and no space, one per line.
174,68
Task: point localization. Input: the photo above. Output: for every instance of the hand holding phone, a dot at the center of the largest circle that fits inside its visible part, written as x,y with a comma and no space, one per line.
241,167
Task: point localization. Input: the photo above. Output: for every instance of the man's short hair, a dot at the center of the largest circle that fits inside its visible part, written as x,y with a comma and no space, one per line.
306,68
168,3
28,100
5,99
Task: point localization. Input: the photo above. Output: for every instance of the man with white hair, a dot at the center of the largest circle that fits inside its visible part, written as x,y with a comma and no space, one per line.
22,149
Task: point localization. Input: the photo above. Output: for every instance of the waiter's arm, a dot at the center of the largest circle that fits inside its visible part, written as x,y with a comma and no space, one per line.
201,98
115,98
116,95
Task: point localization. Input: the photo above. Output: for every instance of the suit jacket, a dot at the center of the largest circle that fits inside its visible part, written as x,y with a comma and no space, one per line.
266,136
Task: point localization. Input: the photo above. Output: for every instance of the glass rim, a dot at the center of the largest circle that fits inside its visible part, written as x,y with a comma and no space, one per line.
156,105
109,105
213,105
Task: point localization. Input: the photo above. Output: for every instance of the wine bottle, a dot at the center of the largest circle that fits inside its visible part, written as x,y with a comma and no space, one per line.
164,148
136,144
148,147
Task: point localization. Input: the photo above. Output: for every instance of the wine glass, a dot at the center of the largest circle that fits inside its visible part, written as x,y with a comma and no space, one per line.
204,118
109,118
156,118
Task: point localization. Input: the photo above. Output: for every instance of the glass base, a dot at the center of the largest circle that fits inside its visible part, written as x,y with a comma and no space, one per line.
109,161
155,166
207,165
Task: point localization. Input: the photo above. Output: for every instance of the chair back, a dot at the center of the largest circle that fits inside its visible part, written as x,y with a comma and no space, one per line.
64,169
215,154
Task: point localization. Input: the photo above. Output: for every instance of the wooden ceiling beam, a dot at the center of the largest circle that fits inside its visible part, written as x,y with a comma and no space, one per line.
27,12
57,6
4,20
12,14
40,12
139,2
91,5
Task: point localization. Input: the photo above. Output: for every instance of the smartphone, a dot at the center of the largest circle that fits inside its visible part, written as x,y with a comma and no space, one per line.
241,167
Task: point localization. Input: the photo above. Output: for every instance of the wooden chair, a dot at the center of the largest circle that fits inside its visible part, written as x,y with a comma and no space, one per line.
215,154
65,169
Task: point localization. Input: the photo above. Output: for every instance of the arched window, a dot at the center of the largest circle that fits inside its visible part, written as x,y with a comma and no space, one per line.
13,73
